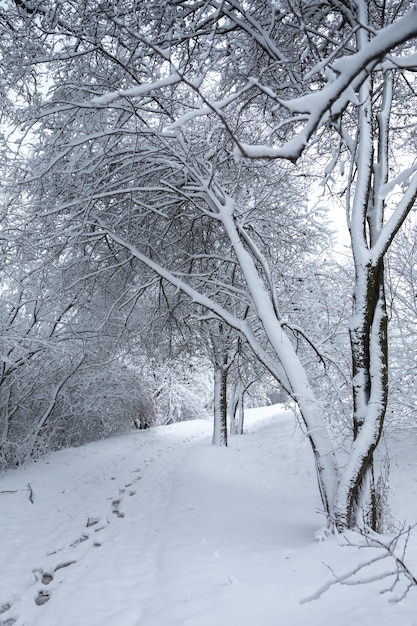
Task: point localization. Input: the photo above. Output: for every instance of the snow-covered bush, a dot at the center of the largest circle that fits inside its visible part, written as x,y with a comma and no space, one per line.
182,389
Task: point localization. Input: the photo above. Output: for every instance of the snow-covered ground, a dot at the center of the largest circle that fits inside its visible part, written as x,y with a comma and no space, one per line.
159,528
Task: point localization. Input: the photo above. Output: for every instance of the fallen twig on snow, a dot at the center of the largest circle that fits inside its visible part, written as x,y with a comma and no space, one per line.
399,570
29,486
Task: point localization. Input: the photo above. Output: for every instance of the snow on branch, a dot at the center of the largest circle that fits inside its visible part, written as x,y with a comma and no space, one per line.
241,325
139,91
396,220
329,102
408,62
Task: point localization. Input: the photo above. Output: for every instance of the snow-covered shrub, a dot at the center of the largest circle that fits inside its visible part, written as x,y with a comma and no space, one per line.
182,389
52,404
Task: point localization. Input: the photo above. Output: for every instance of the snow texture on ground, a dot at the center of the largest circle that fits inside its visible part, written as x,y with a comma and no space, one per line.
159,528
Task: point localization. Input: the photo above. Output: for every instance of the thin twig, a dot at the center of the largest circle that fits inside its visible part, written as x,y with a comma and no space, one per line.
29,486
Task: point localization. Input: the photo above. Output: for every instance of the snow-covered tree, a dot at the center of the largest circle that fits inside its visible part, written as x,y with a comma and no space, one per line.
402,313
125,157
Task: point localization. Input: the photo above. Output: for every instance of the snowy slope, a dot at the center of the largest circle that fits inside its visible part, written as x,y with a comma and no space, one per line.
159,528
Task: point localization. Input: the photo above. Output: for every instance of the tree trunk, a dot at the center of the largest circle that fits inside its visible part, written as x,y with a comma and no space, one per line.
237,410
220,406
356,501
240,409
233,413
289,366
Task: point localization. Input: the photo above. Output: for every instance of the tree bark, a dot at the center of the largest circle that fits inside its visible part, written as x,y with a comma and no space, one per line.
240,408
220,406
356,501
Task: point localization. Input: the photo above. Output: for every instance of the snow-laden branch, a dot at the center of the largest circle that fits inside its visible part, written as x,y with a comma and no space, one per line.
264,264
139,91
220,312
351,72
405,63
395,222
47,413
213,107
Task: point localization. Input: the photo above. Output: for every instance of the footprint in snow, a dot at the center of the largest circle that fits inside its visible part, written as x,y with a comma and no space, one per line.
44,577
43,596
47,577
80,539
92,521
116,508
62,565
131,492
9,620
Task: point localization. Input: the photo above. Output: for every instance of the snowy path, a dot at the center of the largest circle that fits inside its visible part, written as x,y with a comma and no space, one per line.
225,530
158,528
91,538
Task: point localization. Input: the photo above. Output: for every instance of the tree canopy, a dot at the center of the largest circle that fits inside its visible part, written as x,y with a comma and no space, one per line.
181,143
